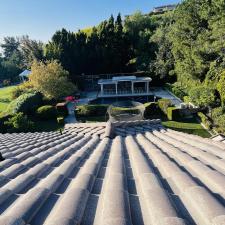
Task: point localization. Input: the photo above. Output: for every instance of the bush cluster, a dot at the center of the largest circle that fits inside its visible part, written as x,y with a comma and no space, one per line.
62,110
205,120
164,104
26,103
151,109
178,92
91,110
18,123
46,112
3,119
173,113
218,117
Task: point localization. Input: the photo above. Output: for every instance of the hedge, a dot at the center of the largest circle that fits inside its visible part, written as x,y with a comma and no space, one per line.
62,109
46,112
205,120
164,104
151,109
91,110
26,103
173,113
19,123
3,119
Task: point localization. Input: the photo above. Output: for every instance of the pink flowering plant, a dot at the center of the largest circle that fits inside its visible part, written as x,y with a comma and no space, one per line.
71,99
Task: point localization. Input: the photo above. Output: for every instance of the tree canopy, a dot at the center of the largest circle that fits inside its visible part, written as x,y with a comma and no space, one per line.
51,80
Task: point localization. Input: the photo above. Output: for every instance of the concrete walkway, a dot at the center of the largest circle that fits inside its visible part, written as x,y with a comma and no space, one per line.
71,117
160,92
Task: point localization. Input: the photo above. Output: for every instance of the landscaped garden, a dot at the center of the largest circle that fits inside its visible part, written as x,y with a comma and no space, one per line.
5,97
162,109
32,106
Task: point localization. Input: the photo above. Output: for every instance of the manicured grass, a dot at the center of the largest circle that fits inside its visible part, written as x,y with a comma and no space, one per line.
5,97
187,126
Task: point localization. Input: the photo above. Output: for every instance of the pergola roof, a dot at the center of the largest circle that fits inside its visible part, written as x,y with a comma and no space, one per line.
25,73
115,80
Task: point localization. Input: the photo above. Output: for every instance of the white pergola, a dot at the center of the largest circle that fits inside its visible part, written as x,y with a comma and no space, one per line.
132,79
24,75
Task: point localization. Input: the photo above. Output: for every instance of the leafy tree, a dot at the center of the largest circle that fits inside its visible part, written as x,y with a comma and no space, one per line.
51,79
221,88
140,29
163,66
31,50
10,45
202,96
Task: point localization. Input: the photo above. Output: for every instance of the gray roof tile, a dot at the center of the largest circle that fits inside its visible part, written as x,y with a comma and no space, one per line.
119,173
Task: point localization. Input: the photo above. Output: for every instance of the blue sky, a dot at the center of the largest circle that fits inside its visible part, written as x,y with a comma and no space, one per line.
41,18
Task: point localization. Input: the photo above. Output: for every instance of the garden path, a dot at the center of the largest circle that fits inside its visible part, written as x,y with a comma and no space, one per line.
160,92
71,117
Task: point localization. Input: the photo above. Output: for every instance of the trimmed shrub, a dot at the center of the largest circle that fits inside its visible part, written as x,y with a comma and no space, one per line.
3,119
164,104
19,123
205,120
46,112
62,109
26,103
151,109
173,113
91,110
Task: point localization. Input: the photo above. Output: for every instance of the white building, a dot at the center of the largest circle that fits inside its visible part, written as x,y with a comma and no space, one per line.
24,75
124,86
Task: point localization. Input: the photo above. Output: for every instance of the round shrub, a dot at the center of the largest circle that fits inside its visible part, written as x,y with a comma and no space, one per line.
3,119
164,104
26,103
46,112
151,110
19,123
91,110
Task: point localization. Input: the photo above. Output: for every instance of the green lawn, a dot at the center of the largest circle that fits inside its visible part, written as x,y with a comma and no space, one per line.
5,97
191,126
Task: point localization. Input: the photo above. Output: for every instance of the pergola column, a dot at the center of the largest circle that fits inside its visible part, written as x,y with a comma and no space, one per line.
147,86
132,87
102,89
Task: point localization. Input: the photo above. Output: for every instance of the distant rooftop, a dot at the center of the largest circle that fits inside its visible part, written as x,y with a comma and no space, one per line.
164,8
